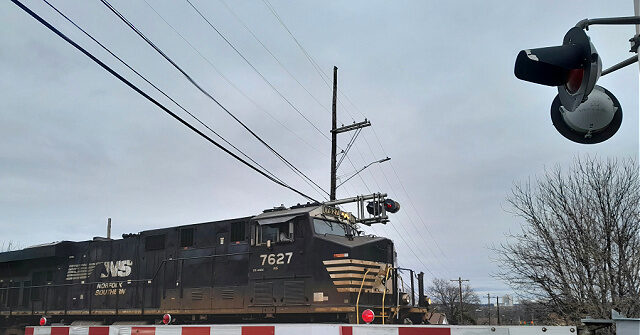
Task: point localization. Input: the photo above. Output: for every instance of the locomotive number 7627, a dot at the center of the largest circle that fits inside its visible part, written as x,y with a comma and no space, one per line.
273,259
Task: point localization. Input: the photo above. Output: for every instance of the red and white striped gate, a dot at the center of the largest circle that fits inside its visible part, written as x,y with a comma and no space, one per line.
300,329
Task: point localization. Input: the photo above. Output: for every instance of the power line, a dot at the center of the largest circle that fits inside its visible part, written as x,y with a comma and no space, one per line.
272,55
411,248
304,51
314,63
256,70
193,82
231,83
148,97
410,200
410,220
324,77
156,87
346,151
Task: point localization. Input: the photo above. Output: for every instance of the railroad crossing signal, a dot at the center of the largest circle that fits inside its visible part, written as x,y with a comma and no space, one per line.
375,207
582,111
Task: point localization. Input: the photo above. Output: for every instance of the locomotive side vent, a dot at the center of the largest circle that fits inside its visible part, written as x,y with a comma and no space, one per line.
228,294
294,292
263,293
196,294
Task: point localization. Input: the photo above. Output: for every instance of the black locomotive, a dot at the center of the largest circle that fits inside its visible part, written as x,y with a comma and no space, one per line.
306,263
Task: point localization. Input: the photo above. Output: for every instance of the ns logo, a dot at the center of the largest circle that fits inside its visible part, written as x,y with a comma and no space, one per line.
117,269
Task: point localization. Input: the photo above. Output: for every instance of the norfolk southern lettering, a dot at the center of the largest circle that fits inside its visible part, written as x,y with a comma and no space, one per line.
306,263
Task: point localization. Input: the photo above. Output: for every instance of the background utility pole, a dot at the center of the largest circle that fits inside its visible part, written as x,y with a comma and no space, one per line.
489,306
498,309
335,131
460,280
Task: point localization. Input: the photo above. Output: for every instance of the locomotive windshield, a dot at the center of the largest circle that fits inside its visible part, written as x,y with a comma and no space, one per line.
323,227
275,232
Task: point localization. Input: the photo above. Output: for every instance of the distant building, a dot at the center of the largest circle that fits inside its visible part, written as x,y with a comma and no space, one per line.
507,301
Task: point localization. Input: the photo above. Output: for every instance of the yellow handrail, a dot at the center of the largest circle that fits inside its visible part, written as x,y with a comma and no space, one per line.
360,291
386,277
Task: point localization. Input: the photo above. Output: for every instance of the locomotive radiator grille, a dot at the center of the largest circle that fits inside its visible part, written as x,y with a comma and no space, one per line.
294,292
348,275
263,293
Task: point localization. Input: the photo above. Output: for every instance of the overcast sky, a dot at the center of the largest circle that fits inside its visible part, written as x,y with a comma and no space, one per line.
434,77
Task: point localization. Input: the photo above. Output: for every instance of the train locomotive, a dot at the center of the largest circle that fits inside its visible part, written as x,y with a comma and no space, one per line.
307,263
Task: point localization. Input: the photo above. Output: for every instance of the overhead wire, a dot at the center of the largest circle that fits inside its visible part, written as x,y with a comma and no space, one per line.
324,78
410,242
151,99
312,61
256,70
246,27
412,223
156,87
206,93
409,246
410,199
230,82
346,151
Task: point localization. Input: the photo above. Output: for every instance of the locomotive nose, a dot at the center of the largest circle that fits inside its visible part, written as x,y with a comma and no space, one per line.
368,248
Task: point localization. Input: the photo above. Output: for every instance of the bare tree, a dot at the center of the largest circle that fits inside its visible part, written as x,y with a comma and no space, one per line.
446,296
579,249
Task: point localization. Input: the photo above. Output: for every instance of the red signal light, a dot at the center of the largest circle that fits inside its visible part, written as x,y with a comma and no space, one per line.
575,80
368,315
391,206
166,319
43,321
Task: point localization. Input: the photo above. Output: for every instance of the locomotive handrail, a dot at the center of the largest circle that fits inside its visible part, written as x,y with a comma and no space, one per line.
360,291
398,290
384,293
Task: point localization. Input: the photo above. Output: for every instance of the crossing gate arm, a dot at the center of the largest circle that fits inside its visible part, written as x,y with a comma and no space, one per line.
297,329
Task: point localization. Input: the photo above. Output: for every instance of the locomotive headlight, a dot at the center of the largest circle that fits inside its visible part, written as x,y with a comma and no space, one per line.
404,298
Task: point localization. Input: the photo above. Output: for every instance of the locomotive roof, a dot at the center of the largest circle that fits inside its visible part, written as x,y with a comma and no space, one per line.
56,248
285,212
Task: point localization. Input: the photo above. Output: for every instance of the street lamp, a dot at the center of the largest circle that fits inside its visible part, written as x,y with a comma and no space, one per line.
364,167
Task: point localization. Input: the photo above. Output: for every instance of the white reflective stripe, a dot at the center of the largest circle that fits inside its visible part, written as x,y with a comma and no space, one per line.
79,330
41,330
226,330
375,330
169,330
306,330
119,330
479,330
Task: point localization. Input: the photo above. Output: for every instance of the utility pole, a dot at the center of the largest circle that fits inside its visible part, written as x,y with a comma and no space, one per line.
460,280
335,131
498,309
489,306
334,135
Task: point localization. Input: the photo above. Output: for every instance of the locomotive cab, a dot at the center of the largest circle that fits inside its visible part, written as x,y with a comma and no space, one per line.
312,260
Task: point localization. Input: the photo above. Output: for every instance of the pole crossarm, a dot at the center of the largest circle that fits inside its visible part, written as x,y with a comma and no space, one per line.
353,126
